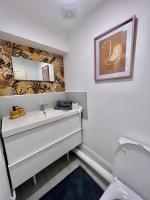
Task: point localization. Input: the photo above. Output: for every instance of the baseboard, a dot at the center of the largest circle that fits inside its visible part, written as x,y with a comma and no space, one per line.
94,156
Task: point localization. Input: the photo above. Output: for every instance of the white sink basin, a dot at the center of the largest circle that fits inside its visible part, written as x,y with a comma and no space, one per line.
34,119
52,112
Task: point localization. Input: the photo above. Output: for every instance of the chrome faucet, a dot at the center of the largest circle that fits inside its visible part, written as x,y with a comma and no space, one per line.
42,108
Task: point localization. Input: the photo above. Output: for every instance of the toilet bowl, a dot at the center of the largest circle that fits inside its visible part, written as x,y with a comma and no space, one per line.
131,172
118,191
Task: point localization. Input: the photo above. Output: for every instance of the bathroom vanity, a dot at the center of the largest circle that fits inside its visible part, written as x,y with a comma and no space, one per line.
36,140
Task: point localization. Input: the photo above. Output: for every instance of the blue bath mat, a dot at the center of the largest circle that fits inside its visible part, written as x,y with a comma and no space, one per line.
76,186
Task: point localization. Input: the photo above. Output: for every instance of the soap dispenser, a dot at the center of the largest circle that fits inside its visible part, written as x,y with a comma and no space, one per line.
14,113
17,112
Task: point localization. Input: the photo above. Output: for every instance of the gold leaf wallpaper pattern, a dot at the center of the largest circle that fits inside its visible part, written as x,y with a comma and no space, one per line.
9,86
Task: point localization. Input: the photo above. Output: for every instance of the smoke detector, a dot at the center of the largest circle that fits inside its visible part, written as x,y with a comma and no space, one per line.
68,11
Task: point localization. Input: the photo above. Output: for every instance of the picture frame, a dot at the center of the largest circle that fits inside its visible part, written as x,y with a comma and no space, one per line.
114,52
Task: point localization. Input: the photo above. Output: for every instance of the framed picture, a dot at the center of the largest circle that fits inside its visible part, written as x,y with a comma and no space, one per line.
114,52
45,73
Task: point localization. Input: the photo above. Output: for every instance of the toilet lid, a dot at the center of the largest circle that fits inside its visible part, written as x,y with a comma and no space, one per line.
132,167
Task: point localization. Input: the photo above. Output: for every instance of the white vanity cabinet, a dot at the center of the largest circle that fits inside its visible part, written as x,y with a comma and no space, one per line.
41,141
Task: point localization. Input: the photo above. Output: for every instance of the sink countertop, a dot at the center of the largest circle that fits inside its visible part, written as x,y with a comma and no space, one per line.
34,119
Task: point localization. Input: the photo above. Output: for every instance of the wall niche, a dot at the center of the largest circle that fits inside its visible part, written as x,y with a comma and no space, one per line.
10,86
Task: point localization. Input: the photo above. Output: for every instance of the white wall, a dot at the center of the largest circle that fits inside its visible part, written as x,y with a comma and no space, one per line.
119,108
16,22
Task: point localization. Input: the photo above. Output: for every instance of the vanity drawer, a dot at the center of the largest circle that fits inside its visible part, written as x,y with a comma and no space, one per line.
21,145
25,169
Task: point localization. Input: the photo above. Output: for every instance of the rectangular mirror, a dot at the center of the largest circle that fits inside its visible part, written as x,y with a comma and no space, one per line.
30,70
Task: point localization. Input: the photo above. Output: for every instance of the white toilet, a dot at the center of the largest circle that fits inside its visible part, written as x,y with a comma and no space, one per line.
131,172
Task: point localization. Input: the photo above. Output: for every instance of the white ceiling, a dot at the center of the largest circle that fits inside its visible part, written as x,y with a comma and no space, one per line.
47,12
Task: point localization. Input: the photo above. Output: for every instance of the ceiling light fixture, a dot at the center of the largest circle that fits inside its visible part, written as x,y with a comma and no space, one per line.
68,11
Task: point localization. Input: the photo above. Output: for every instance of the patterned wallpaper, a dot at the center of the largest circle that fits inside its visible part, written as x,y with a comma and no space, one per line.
9,86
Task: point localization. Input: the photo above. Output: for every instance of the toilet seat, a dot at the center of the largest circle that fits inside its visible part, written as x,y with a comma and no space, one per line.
119,191
131,172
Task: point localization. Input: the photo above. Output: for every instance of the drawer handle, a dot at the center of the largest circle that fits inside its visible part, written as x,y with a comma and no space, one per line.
42,149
